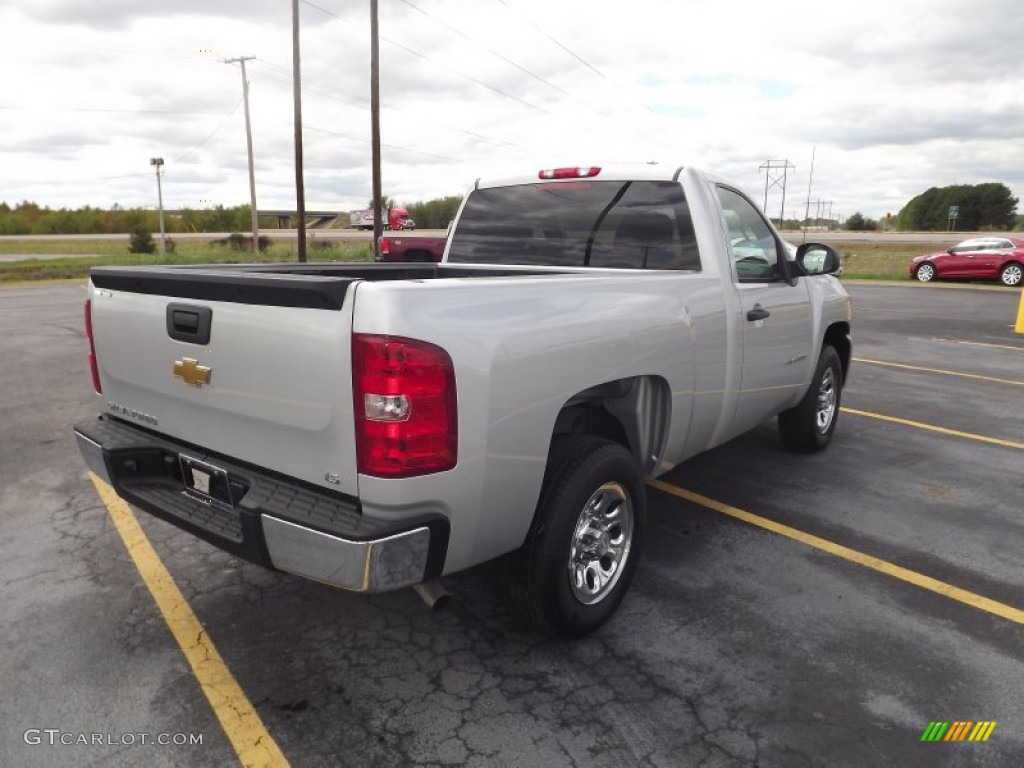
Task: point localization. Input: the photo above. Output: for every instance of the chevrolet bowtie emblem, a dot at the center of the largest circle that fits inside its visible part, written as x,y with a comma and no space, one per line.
191,372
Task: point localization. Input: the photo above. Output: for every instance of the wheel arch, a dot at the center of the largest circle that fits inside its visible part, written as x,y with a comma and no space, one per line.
837,336
634,412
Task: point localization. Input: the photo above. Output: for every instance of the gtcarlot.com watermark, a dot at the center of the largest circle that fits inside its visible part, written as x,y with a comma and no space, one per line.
55,736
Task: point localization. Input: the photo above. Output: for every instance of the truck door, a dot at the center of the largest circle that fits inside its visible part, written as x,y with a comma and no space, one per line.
775,317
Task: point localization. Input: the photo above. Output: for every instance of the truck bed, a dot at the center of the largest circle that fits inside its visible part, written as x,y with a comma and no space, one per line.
312,286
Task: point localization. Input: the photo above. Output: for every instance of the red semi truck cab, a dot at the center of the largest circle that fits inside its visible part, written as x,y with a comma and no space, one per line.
395,218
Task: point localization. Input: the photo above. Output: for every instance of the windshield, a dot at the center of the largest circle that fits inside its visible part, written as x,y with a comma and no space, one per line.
631,224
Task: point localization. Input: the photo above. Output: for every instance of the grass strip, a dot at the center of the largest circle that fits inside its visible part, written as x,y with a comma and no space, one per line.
861,260
77,267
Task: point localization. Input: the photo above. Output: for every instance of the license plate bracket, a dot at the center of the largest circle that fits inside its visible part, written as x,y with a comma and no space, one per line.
205,482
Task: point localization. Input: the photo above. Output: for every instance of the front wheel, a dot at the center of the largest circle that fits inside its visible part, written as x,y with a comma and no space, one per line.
1011,274
584,544
808,427
926,272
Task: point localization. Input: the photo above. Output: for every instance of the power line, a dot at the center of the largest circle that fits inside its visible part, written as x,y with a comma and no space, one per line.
48,108
632,126
62,44
565,48
526,71
435,62
362,140
589,66
212,133
487,48
330,91
286,76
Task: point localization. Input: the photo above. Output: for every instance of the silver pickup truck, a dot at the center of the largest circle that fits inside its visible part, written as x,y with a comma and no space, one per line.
379,426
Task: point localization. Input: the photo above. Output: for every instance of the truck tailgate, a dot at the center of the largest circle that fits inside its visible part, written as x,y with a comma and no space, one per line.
271,387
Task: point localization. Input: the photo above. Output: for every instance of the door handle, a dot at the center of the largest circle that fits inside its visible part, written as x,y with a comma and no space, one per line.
758,313
188,322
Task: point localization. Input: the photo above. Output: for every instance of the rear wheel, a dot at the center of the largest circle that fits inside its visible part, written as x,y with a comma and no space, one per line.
1011,274
808,427
582,550
925,272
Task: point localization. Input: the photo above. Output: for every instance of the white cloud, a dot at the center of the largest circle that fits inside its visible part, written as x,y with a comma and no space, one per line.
897,97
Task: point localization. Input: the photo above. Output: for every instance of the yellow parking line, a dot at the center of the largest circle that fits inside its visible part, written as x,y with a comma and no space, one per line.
981,344
240,721
933,428
939,370
1001,610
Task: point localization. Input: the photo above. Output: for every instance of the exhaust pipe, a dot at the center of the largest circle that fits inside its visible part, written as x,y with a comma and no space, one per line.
433,594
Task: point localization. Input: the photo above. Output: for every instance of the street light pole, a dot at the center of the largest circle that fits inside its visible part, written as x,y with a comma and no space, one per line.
158,162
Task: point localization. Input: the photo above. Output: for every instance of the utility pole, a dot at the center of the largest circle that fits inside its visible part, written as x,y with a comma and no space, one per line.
158,162
378,223
810,179
300,188
771,167
248,140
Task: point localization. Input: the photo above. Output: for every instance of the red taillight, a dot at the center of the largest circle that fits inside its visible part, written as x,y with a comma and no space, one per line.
583,172
385,246
404,399
92,348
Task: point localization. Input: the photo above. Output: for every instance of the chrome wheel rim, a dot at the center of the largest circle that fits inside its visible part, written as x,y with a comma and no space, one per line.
601,543
826,401
1011,275
925,272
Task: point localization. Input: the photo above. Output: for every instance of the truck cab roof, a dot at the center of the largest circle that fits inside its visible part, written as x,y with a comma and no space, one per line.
607,172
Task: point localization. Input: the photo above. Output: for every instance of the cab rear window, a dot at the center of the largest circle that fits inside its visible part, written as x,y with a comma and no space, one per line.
611,224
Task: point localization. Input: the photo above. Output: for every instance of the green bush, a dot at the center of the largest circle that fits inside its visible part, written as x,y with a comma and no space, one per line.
239,242
141,241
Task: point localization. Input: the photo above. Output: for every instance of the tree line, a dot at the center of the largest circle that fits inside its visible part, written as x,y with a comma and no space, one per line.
28,218
435,214
978,206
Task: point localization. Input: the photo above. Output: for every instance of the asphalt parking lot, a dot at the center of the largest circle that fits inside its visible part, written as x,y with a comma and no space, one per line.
789,611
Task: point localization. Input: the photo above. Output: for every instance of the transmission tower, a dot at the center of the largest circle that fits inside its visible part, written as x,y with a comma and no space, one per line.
775,174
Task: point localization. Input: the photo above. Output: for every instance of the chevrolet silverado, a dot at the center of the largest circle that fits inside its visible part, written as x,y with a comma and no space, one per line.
380,426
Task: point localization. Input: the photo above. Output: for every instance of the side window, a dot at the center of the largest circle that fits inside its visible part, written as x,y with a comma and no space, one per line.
754,249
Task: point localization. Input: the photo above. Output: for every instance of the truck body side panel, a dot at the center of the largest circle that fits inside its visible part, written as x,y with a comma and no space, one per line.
527,346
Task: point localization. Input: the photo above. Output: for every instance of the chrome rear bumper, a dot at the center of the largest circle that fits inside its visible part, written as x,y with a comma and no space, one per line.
272,521
377,565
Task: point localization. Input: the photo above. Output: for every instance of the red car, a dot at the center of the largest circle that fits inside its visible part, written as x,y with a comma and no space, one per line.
981,258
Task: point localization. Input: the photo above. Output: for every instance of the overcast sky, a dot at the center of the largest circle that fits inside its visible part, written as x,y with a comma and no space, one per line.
896,96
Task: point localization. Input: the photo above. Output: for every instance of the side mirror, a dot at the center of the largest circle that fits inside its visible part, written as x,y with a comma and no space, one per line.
817,259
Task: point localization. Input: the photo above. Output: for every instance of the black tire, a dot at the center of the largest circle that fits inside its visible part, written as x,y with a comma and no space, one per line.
1011,274
808,427
926,272
588,479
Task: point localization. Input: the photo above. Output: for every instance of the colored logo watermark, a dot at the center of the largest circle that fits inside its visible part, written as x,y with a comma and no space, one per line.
958,730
